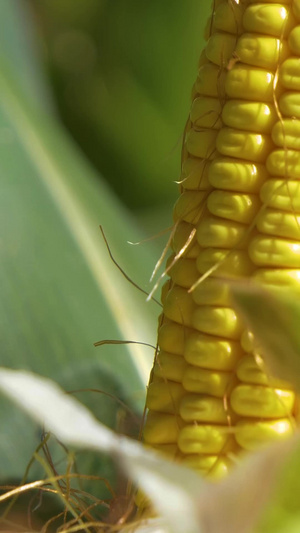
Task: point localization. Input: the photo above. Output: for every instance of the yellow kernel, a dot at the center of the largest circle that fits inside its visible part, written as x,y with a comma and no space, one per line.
194,174
249,83
233,206
270,251
219,233
228,18
207,381
252,370
184,272
206,438
280,278
206,351
212,291
232,263
247,341
182,233
167,450
206,113
296,8
189,206
164,396
161,428
219,321
289,104
252,434
285,163
261,402
179,306
243,145
164,290
217,466
202,59
248,371
289,73
171,337
286,133
194,407
140,499
169,366
271,1
208,28
294,40
217,3
220,48
282,224
228,174
251,116
201,143
210,80
273,19
260,51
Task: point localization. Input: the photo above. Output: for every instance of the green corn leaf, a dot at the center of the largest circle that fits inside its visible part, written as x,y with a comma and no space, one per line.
268,479
172,488
273,316
282,514
19,45
61,291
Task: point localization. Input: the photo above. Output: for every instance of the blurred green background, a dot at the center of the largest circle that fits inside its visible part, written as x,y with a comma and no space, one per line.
94,96
121,73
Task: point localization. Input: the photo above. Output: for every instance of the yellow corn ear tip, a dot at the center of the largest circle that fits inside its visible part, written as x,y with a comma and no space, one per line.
211,397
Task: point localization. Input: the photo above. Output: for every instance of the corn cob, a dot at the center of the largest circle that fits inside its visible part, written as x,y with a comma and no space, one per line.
210,397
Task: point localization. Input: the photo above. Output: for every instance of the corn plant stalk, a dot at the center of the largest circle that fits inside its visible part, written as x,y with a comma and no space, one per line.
211,397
